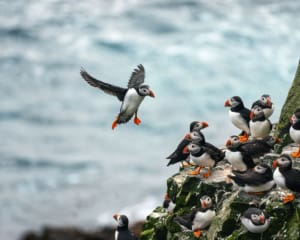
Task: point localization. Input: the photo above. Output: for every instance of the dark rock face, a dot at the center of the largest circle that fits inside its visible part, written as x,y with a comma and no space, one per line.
72,233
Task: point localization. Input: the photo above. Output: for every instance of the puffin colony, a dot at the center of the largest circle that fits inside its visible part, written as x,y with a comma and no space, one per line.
242,152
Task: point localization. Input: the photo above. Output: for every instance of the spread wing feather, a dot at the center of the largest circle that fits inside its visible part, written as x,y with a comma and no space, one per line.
110,89
137,77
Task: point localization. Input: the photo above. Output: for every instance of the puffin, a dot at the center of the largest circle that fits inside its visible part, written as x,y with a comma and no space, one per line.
260,126
266,104
203,155
295,131
122,232
239,115
256,180
286,177
199,218
255,220
168,204
131,97
241,154
178,155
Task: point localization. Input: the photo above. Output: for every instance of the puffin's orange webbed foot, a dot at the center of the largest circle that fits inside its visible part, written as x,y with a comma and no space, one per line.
288,198
196,171
296,154
186,164
114,124
207,174
244,138
136,120
197,233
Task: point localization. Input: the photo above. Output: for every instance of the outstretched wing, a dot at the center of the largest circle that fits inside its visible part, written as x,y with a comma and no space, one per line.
106,87
137,77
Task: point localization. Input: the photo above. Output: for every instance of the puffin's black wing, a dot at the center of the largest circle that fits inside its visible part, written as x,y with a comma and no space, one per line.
187,219
106,87
178,155
214,152
249,177
246,114
137,77
292,180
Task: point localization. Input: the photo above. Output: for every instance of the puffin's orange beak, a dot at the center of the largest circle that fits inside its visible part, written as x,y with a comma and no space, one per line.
262,219
227,103
116,216
188,136
204,124
203,204
185,150
251,115
151,94
167,197
274,164
228,143
291,119
269,103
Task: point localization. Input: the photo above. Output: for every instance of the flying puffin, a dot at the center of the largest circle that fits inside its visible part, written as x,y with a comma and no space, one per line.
260,126
199,218
122,232
178,155
241,155
255,220
295,131
256,180
286,177
203,155
239,116
168,204
131,97
266,104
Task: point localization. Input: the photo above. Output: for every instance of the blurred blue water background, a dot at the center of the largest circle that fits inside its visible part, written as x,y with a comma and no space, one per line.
60,162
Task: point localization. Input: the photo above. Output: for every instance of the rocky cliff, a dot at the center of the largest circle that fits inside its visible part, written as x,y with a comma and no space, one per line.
186,190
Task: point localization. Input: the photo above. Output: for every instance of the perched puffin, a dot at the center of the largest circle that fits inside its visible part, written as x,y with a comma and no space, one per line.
295,131
178,155
122,232
260,126
168,204
286,177
239,116
199,218
266,104
241,155
203,155
256,180
255,220
131,97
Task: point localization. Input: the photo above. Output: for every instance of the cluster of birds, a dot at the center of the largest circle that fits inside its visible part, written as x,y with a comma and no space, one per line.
241,152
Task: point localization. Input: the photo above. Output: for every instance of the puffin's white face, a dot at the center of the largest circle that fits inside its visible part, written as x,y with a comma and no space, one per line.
294,119
233,140
260,169
193,148
196,136
284,161
144,90
266,99
122,220
205,202
257,110
258,219
200,125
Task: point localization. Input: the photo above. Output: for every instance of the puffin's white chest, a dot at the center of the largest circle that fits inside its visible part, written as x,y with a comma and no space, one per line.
295,135
260,129
258,188
131,103
269,111
236,160
116,234
238,121
203,160
279,178
203,219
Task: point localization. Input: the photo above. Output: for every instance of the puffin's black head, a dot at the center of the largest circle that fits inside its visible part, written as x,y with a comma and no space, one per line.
284,161
266,98
196,125
295,117
258,217
233,140
234,102
205,202
263,169
122,220
144,90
